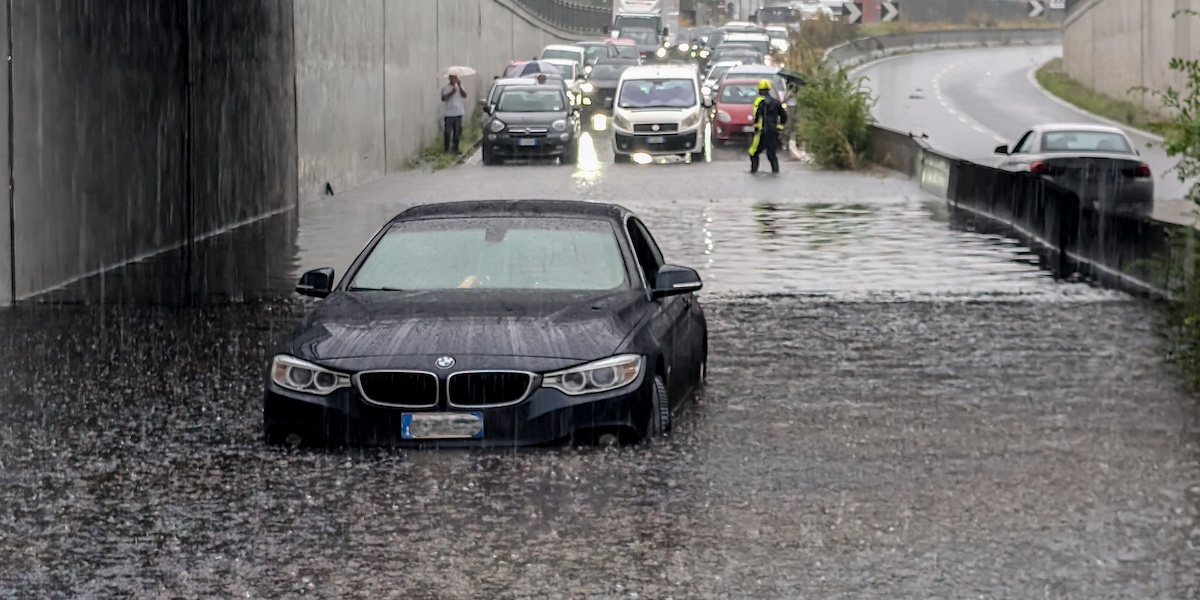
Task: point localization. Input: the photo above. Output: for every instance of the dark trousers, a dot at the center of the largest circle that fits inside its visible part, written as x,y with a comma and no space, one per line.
453,128
769,144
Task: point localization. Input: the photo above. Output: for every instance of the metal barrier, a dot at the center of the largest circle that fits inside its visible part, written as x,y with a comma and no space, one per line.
857,52
1073,237
570,15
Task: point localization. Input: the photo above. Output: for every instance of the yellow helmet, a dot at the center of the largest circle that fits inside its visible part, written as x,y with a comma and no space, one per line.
765,84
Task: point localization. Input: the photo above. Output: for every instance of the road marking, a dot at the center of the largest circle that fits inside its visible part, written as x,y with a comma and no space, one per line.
966,119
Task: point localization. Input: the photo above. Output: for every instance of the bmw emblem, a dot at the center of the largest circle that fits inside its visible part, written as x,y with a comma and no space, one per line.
444,362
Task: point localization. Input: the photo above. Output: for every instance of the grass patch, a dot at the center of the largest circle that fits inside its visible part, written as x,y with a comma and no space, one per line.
1057,82
433,155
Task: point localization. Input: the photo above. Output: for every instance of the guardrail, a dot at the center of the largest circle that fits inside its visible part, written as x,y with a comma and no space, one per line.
570,15
864,50
1074,238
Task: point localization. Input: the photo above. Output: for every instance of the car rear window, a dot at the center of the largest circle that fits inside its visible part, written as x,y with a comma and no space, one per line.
562,54
739,94
1085,141
496,253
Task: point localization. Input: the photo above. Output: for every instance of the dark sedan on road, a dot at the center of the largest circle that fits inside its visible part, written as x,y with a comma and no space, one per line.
1097,162
600,86
531,121
493,323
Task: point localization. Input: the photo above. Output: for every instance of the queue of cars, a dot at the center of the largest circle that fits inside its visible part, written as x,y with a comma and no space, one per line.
656,99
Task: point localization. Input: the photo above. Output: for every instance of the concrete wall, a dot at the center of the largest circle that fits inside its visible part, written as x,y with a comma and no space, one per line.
142,124
5,195
367,77
1115,45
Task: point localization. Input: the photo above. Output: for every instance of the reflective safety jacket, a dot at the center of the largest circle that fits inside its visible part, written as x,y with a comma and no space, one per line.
769,114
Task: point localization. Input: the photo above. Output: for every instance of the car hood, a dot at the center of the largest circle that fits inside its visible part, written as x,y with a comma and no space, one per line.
654,115
579,326
543,119
741,113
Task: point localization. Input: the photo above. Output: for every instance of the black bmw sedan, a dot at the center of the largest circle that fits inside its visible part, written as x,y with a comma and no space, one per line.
493,323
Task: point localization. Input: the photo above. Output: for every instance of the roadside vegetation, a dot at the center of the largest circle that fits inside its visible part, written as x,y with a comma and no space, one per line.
433,155
1181,140
835,118
1056,81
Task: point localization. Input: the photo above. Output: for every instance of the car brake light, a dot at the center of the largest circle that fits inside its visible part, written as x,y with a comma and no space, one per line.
1039,168
1142,170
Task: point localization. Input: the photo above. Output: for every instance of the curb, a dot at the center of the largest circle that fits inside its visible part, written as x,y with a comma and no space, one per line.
1032,75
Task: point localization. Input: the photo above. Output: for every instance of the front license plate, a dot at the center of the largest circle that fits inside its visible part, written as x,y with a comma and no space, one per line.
748,129
655,139
530,142
441,426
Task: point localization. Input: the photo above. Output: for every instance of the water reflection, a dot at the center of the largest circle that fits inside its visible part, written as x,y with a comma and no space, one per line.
811,225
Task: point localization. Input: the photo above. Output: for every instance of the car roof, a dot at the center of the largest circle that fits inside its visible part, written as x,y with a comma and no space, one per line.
753,69
618,61
1079,127
514,208
740,81
516,80
650,71
561,47
621,42
591,43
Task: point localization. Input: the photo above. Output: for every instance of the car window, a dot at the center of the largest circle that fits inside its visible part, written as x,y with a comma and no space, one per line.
739,94
1085,141
1025,145
657,93
649,256
595,53
561,54
628,52
541,100
500,252
607,72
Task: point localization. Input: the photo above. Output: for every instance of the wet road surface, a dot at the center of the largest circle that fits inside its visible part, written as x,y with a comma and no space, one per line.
896,409
970,101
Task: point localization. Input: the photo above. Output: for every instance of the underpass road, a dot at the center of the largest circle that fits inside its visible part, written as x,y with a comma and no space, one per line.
970,101
895,409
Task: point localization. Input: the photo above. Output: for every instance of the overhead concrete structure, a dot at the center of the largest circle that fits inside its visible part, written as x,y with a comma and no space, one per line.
1116,46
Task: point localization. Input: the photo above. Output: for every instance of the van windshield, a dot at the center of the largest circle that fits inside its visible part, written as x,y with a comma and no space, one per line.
657,93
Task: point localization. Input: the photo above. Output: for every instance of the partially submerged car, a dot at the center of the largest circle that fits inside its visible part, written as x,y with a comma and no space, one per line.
1097,162
493,323
531,121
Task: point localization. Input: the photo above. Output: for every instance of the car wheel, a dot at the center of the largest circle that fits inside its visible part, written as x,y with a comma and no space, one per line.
571,156
621,159
660,421
697,157
488,158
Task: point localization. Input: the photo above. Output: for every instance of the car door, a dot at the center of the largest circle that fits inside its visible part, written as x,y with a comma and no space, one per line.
671,320
1021,155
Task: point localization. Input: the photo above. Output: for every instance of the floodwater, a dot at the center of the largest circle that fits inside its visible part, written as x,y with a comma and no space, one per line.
896,409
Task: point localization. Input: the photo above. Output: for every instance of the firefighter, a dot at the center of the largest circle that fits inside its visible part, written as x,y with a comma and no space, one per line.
769,119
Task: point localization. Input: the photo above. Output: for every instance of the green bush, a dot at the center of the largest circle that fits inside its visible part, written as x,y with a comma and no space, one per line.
834,118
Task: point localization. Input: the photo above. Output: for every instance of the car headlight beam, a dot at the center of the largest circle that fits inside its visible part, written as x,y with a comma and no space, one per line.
600,376
302,376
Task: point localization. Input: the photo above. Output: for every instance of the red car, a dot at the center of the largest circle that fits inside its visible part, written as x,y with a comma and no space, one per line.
733,109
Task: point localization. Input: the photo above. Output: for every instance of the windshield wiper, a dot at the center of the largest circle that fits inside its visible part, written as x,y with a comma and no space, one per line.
378,289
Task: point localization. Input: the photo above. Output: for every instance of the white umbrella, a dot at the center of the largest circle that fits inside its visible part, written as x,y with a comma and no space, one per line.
459,71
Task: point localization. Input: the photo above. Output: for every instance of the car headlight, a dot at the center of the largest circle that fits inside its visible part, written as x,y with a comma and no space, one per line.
707,91
620,122
684,47
661,52
704,53
587,69
497,126
690,121
559,125
600,376
587,88
724,117
302,376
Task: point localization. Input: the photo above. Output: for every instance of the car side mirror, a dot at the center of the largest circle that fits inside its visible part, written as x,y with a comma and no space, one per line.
317,283
666,32
488,108
674,281
1002,150
607,30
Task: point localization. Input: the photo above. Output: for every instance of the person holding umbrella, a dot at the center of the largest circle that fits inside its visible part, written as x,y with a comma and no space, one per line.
452,97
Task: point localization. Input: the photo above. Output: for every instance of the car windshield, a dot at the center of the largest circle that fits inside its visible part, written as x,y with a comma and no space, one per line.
595,53
741,93
608,72
777,35
497,253
568,70
760,43
1085,141
657,93
627,51
564,54
642,38
541,100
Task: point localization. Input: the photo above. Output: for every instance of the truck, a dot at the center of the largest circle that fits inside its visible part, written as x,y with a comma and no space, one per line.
656,15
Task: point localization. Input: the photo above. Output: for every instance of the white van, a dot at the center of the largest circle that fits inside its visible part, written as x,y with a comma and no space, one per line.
659,110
